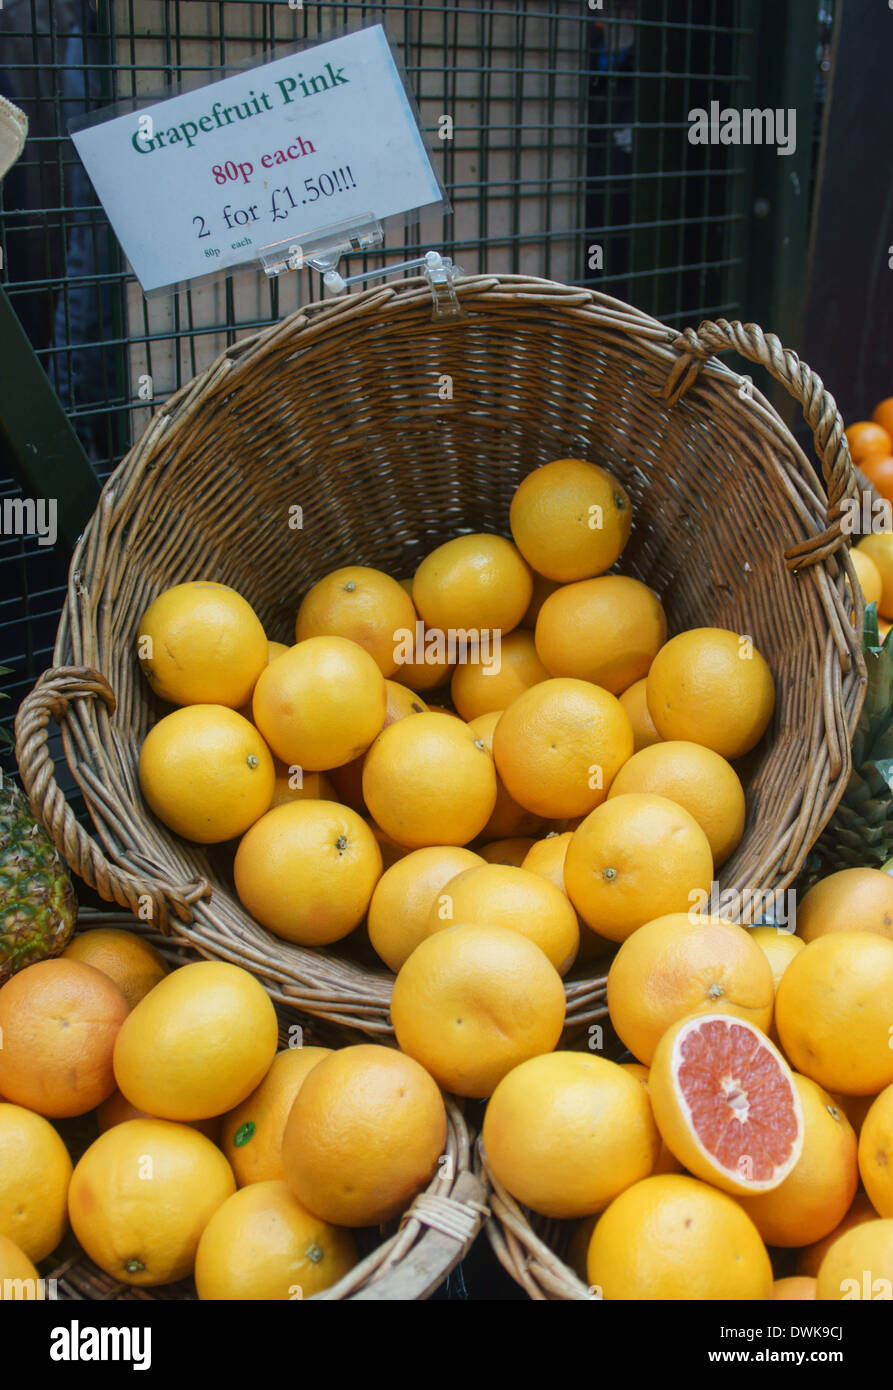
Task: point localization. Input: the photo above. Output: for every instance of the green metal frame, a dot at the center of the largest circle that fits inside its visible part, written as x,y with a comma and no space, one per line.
37,441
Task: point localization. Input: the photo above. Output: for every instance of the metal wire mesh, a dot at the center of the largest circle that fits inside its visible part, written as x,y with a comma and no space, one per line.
567,158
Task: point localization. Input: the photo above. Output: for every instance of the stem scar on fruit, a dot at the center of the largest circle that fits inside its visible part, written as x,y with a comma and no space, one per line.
134,1266
341,844
252,760
314,1253
715,991
609,874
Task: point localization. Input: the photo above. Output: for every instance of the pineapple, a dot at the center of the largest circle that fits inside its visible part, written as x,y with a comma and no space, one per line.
860,833
38,908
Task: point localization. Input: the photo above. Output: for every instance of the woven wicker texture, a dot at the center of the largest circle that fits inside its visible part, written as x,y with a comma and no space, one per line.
339,410
406,1260
529,1247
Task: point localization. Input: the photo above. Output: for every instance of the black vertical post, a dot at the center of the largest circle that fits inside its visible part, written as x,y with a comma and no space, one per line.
848,338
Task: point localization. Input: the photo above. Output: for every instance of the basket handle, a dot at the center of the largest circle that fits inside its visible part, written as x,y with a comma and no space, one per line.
696,345
52,697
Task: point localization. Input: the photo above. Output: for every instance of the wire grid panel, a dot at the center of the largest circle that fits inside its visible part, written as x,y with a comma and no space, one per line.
568,141
505,89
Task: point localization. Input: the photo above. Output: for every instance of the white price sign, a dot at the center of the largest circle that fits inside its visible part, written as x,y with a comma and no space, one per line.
208,179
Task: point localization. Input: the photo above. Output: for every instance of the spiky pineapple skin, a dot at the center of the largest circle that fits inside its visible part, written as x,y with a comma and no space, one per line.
38,908
860,832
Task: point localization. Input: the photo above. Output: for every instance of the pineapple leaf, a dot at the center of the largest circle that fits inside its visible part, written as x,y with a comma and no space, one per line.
870,635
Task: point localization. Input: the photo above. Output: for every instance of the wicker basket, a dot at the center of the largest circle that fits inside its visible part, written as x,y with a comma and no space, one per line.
530,1247
338,409
398,1263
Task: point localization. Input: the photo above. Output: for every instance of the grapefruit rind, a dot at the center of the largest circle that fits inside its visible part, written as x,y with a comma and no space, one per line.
676,1122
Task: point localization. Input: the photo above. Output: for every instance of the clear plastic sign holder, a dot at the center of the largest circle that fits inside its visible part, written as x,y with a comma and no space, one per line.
324,251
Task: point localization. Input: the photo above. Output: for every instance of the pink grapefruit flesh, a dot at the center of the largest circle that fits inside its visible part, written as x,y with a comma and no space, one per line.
726,1103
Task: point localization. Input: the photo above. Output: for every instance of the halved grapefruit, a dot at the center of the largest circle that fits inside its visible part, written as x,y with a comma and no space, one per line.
725,1103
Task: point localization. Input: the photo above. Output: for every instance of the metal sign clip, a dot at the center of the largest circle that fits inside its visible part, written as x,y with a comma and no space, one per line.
438,270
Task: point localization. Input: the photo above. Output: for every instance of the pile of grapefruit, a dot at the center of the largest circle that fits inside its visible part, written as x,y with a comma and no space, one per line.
488,772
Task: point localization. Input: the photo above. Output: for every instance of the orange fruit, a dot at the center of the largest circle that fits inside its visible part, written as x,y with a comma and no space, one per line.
473,583
141,1196
58,1024
364,1135
859,1265
306,871
879,549
606,630
680,965
672,1237
665,1162
696,778
542,588
811,1256
566,1132
500,895
402,898
850,900
726,1104
794,1289
883,414
878,470
363,605
201,643
391,852
547,857
320,704
429,781
710,686
428,661
876,1153
262,1244
297,785
634,702
509,819
400,701
130,960
867,439
779,948
198,1044
473,1001
117,1109
854,1107
635,858
251,1134
18,1277
206,773
867,572
512,851
274,649
35,1171
834,1010
478,687
817,1193
570,519
559,746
